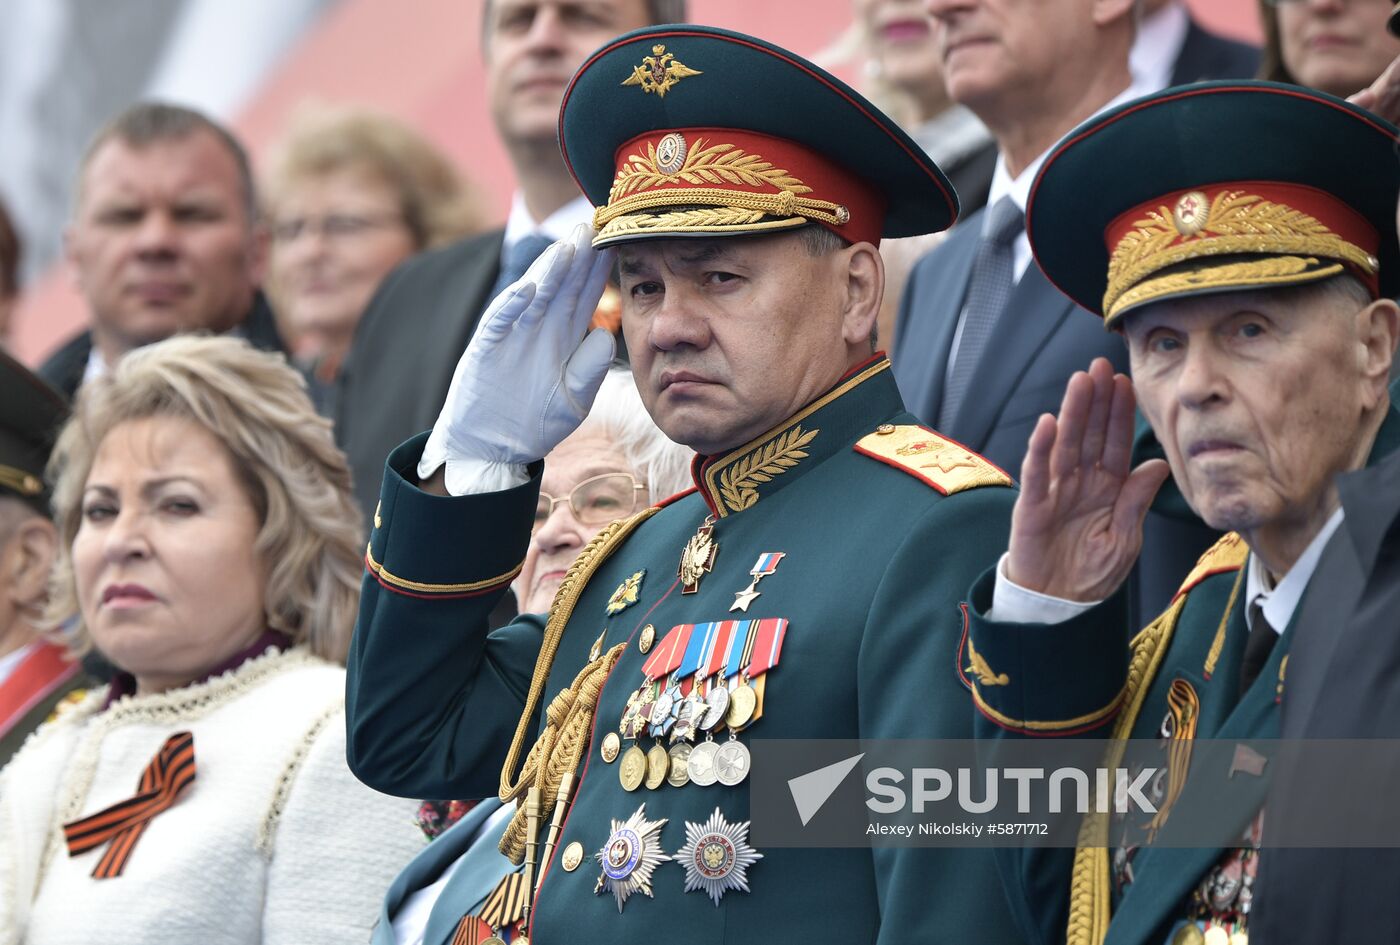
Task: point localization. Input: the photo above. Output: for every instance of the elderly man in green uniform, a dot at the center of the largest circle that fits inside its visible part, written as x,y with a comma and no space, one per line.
808,587
1251,275
35,673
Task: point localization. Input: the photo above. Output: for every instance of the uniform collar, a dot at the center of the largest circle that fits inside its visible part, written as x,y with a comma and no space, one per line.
735,481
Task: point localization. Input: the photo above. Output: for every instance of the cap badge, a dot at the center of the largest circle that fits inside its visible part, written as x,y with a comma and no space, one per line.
659,72
670,153
1191,213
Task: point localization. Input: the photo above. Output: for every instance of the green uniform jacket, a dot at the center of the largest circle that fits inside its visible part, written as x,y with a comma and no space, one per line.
877,564
1088,677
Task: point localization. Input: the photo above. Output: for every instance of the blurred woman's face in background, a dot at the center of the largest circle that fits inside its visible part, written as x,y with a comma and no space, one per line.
335,237
169,581
903,45
1336,46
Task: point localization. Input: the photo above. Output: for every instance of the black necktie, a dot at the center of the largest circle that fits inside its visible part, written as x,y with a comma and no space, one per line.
1257,648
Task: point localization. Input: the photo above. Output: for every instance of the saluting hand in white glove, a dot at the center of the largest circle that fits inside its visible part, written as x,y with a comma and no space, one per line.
529,375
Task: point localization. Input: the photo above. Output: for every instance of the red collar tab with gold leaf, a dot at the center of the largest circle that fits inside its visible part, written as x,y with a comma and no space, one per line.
735,481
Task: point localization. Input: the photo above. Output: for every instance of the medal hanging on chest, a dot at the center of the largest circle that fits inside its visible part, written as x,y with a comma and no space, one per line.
504,908
698,557
650,708
766,564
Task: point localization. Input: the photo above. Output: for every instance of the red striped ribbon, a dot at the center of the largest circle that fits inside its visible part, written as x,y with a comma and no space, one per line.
170,772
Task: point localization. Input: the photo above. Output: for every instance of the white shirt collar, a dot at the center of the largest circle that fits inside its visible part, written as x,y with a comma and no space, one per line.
1019,188
1156,47
10,661
1280,601
556,226
96,365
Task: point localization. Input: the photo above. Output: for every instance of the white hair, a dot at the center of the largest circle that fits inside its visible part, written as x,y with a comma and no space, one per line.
618,413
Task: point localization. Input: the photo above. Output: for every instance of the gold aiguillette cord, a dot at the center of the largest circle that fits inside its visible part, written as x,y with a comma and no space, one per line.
532,817
561,807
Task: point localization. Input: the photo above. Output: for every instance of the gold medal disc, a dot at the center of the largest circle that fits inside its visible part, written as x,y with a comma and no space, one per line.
742,702
571,857
1188,934
612,744
646,639
658,764
678,775
633,769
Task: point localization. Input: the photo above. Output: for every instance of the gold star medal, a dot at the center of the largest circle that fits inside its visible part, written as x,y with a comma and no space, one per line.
631,855
717,856
698,557
626,594
766,564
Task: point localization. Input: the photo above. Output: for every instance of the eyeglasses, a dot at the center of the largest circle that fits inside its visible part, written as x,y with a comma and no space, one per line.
332,226
595,501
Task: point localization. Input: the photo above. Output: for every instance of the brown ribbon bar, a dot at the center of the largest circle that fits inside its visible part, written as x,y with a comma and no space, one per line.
167,776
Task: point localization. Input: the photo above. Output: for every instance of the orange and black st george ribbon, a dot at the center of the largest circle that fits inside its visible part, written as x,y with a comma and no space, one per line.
170,772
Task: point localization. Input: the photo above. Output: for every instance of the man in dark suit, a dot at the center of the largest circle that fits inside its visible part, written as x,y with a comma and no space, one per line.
1342,683
423,315
1031,85
164,239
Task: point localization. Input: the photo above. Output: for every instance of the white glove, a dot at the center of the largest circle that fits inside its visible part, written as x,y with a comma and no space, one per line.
526,380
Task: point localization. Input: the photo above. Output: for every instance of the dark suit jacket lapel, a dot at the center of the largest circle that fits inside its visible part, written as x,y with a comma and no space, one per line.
921,357
1207,56
452,327
1035,312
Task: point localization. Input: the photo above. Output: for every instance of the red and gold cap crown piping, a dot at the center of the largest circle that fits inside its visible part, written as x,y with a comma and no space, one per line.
697,181
1298,234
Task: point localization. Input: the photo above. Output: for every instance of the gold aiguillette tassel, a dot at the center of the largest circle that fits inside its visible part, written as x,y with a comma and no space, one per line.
532,821
561,807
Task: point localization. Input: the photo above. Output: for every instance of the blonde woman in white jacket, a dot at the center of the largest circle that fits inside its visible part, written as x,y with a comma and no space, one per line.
211,551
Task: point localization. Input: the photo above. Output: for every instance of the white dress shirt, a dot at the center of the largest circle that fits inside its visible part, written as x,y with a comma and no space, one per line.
1157,46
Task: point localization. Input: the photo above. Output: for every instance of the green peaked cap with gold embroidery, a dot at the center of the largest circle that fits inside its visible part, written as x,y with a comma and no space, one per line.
691,131
1217,187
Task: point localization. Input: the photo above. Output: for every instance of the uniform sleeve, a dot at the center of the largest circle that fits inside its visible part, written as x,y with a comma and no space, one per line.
432,697
910,645
1043,680
333,845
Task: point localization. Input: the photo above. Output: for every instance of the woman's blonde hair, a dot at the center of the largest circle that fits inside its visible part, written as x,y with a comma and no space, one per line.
436,205
298,481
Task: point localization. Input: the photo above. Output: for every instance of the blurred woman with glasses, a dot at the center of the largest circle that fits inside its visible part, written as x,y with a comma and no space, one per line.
349,195
615,464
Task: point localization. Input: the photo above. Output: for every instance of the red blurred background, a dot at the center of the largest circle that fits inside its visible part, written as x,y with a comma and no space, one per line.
426,69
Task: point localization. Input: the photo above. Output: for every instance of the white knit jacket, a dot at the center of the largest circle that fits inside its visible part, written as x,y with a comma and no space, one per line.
275,842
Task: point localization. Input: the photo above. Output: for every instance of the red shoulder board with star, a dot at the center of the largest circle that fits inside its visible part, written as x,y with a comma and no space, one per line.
944,464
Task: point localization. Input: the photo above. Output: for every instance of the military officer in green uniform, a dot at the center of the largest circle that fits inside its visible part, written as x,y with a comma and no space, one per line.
809,586
1251,274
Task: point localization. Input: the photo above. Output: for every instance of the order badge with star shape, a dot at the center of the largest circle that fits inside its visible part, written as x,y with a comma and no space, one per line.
631,855
626,594
717,856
